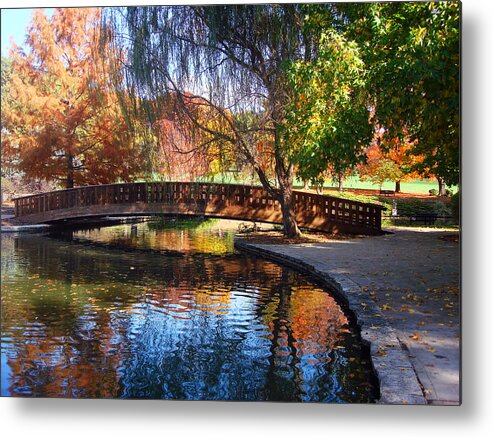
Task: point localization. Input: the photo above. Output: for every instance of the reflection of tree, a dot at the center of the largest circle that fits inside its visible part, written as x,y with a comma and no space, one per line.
8,265
284,376
84,321
167,235
65,360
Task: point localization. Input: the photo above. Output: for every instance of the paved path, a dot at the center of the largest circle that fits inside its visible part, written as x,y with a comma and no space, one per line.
413,275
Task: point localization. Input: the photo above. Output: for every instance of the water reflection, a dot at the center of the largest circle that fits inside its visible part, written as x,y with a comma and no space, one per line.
81,318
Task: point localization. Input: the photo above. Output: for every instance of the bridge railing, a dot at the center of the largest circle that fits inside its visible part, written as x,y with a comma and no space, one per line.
309,207
337,210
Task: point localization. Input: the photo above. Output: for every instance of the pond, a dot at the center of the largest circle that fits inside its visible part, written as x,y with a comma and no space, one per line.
169,310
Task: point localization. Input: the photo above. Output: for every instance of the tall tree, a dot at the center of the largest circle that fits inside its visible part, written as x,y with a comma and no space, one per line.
411,50
62,119
234,57
6,65
328,125
306,72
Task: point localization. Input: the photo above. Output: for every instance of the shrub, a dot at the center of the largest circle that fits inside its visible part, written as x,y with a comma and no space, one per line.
455,206
413,207
433,192
442,209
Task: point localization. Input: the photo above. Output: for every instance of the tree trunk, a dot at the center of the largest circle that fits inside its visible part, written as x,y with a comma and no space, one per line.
320,189
283,193
340,181
397,186
70,172
290,226
284,174
306,185
441,187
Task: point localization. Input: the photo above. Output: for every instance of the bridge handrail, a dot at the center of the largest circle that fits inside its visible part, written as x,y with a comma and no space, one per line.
306,204
134,183
358,202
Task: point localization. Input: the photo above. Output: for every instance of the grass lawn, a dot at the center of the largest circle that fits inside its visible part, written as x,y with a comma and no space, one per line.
414,186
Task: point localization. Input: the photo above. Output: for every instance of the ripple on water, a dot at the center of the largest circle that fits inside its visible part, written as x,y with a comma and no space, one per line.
83,318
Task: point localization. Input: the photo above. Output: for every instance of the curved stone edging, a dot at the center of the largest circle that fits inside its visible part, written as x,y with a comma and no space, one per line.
396,375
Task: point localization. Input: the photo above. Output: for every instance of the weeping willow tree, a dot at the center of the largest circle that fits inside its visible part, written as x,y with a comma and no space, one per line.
233,58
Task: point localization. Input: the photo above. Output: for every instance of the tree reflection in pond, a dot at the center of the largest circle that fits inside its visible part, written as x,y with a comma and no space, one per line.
81,317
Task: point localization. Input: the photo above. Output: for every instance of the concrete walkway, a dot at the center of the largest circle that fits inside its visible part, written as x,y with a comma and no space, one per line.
413,275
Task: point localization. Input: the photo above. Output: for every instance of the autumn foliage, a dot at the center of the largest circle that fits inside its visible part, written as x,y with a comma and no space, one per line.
61,118
186,148
389,160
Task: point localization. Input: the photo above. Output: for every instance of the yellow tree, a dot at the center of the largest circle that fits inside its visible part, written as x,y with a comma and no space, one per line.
61,117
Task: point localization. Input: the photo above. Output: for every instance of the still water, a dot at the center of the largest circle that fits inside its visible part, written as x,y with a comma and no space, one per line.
168,310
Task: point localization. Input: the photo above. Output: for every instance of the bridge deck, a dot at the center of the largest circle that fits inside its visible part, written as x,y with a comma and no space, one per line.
313,211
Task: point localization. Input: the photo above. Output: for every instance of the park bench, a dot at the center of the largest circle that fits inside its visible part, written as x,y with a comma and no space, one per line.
387,192
425,218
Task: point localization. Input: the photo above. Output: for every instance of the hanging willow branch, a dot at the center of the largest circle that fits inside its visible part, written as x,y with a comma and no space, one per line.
230,58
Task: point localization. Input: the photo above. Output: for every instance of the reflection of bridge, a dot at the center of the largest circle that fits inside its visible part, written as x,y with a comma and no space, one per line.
313,211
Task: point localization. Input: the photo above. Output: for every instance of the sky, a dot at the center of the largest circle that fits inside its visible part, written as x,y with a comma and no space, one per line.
14,23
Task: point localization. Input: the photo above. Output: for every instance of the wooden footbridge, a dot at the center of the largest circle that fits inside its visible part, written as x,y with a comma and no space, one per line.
241,202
